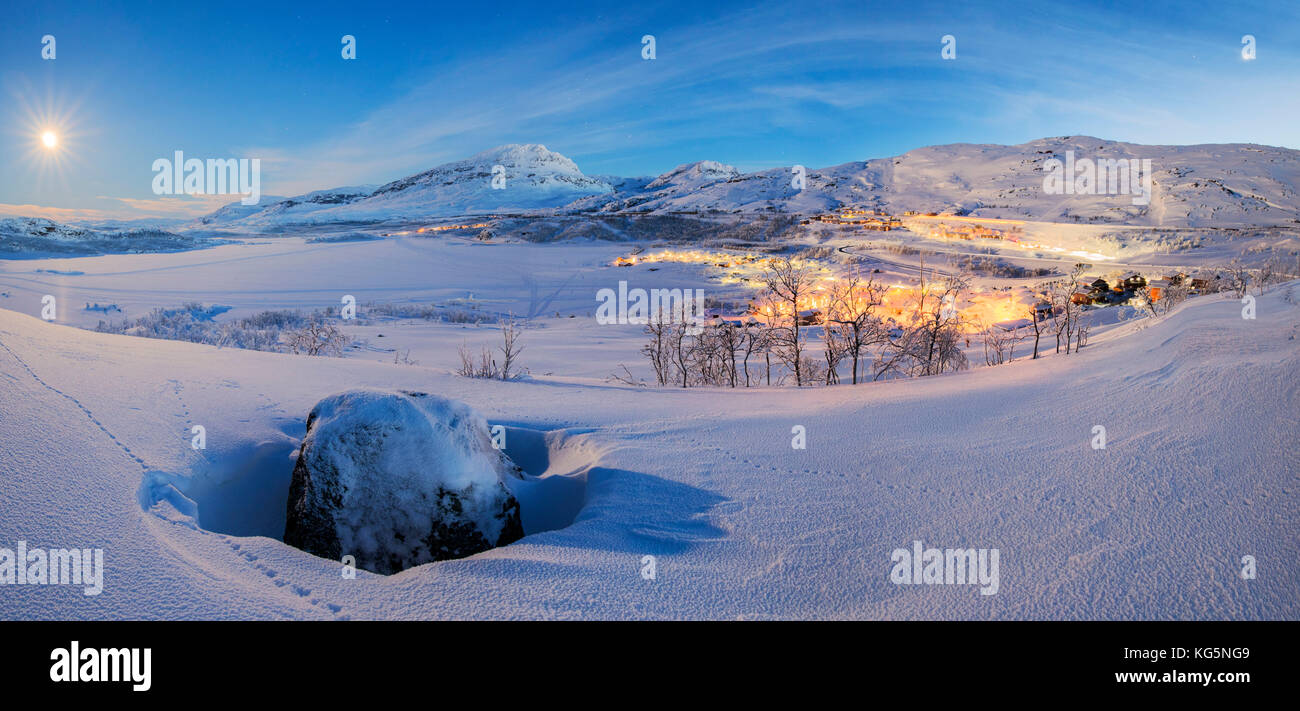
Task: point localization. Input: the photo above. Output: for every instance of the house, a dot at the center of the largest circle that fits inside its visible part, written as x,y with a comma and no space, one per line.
1100,286
1081,297
810,317
1156,289
1132,281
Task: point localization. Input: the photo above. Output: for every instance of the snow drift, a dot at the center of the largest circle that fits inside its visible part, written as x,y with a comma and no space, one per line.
397,480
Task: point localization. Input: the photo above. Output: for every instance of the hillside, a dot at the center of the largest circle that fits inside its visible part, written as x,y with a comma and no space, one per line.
34,237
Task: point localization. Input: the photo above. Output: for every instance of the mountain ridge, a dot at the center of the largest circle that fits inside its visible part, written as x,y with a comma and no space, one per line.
1191,186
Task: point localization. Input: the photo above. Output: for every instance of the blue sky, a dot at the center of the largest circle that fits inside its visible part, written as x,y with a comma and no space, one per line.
753,85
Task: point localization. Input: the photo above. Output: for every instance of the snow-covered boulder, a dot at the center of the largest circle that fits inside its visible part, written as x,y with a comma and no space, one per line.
397,479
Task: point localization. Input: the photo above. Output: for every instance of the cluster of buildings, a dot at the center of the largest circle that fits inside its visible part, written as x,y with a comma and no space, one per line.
1101,292
438,228
443,228
863,218
972,231
723,260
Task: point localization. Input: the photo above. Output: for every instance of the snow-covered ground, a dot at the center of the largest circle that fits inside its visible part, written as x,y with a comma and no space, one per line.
1200,468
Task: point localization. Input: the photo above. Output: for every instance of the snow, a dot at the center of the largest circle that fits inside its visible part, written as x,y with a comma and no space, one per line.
34,237
1200,409
1216,185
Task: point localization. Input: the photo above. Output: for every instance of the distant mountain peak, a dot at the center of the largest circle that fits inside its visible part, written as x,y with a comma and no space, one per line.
704,171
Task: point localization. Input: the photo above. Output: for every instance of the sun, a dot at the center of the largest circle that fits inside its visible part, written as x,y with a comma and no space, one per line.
52,135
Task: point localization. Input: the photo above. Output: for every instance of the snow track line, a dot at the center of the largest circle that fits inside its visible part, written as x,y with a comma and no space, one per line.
145,469
127,450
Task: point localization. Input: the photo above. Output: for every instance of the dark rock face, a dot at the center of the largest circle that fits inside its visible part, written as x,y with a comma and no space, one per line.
397,480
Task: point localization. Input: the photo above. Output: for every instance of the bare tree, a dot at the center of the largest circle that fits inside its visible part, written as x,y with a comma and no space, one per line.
1143,303
510,348
681,350
756,340
1036,317
1172,295
834,350
728,339
790,281
939,328
656,350
999,344
1238,277
486,366
813,369
931,344
1269,272
1065,312
317,337
1081,336
852,311
625,377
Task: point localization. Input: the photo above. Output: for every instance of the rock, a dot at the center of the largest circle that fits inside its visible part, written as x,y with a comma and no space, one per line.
397,479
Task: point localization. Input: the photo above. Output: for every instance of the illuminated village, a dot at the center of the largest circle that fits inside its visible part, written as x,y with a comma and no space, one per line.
441,228
986,308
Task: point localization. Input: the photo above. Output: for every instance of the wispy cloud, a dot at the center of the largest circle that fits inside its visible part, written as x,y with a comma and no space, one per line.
119,208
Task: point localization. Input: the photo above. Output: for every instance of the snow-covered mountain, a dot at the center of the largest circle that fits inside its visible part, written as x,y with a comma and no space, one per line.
1202,185
1190,186
235,211
532,178
1205,185
27,237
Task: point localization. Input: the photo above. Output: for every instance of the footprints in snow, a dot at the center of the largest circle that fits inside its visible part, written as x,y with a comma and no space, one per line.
85,410
274,576
237,548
